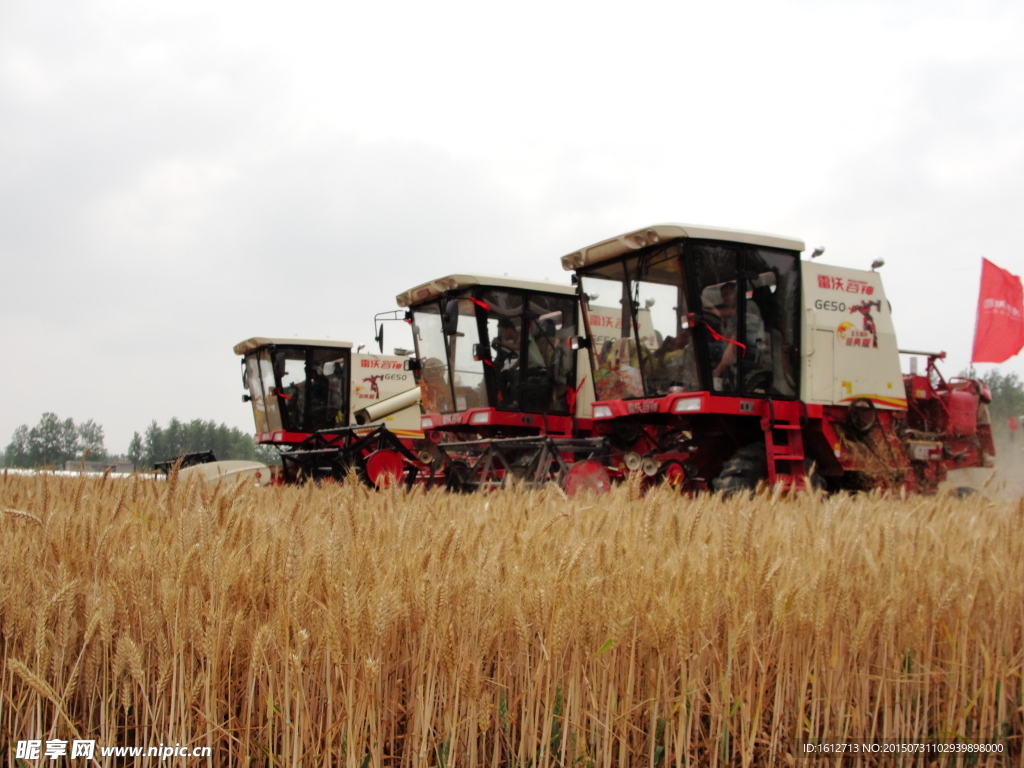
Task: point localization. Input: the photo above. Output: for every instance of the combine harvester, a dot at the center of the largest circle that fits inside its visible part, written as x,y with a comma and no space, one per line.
505,394
737,363
330,411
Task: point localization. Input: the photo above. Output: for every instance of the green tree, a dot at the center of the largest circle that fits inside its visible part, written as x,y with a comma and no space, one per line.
1007,400
136,449
179,438
90,441
17,453
268,454
54,441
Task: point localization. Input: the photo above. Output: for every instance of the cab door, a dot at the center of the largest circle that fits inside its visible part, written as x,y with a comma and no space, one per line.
268,394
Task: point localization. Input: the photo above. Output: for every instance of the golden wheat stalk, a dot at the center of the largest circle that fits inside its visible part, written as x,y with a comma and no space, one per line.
335,625
22,515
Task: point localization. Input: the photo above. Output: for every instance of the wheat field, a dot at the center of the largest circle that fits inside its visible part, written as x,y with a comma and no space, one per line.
336,626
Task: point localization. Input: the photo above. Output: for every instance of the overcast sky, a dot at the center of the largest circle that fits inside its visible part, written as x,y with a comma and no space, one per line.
177,178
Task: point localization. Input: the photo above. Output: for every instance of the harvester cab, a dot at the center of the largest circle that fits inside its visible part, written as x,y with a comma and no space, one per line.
494,357
329,410
721,359
504,391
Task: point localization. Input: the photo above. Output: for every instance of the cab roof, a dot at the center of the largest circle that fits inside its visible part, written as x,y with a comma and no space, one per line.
258,342
660,233
434,288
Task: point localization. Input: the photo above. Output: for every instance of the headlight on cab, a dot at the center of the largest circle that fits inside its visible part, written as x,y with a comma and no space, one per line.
687,405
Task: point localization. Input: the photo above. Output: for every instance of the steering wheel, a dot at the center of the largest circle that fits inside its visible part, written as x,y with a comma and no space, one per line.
504,352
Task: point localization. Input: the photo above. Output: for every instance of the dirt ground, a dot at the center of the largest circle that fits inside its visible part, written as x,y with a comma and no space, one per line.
1004,481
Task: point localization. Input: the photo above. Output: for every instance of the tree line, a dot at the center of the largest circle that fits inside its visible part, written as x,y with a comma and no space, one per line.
54,441
1007,401
178,438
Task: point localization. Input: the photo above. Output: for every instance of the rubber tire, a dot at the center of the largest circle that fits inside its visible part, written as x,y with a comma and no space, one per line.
747,467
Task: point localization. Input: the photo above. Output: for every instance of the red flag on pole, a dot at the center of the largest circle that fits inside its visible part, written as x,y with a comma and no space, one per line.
999,331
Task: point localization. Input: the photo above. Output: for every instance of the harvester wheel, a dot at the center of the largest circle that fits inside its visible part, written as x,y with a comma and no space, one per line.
672,473
384,468
747,467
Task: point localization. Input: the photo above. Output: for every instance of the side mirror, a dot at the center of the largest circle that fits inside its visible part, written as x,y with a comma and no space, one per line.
379,338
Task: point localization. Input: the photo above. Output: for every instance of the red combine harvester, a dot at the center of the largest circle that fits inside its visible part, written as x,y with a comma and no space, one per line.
504,394
330,411
730,362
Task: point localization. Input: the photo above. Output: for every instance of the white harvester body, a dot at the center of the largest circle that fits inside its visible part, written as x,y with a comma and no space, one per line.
849,349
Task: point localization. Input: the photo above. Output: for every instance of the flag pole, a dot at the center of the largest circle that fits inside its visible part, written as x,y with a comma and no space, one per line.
977,314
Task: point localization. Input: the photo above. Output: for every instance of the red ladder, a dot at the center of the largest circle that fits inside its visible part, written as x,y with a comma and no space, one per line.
784,447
